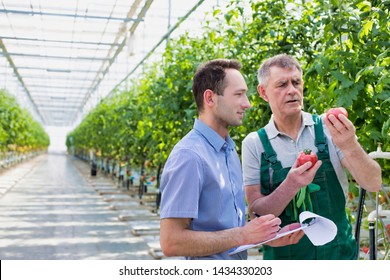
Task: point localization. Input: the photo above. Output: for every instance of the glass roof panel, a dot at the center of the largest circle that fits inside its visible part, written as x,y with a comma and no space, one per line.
59,58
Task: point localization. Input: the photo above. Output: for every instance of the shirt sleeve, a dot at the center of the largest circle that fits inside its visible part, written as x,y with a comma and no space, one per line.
251,151
336,155
181,183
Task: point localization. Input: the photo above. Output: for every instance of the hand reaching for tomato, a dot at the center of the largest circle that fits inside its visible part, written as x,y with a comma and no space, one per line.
341,128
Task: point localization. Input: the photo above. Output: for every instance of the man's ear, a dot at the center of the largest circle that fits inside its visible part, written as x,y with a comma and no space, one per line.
208,97
261,91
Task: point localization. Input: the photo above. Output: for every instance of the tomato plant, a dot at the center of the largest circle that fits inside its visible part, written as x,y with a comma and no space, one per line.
344,56
18,130
307,156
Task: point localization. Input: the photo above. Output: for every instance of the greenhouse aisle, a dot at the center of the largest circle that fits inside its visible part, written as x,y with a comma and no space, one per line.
50,209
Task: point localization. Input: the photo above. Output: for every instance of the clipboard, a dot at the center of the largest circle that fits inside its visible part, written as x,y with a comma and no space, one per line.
319,230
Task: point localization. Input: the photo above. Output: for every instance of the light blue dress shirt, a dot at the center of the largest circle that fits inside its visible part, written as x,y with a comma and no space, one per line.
202,180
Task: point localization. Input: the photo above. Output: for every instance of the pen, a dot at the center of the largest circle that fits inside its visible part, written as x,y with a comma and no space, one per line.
257,216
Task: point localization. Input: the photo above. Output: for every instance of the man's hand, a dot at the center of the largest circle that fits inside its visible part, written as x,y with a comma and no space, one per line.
300,176
342,130
366,171
261,228
289,239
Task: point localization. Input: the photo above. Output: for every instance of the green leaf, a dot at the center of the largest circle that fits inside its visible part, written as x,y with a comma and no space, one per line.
366,29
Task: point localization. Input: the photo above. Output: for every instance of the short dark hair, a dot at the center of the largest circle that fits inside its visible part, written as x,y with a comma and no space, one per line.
211,75
281,61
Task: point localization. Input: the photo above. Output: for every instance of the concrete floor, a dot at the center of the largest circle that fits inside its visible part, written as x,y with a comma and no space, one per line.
52,209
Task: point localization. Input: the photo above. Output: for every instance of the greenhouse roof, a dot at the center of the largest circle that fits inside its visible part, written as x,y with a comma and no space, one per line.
59,58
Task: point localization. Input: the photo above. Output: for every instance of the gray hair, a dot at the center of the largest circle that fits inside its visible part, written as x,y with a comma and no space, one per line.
281,61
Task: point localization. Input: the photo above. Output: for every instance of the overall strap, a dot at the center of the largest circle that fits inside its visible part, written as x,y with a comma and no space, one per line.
269,153
320,140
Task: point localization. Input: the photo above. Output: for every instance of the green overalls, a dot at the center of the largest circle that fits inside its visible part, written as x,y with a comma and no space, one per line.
324,197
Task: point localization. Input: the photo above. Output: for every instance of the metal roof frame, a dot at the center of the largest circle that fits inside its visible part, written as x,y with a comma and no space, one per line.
65,57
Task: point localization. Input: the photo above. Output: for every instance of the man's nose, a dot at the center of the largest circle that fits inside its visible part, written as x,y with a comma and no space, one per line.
247,103
291,89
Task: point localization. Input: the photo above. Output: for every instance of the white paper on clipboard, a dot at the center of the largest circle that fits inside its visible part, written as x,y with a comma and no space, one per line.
320,231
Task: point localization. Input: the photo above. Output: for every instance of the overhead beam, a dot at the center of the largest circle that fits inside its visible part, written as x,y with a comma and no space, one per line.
58,104
41,99
106,65
163,38
63,87
54,107
58,56
16,72
55,76
59,41
126,19
57,92
50,70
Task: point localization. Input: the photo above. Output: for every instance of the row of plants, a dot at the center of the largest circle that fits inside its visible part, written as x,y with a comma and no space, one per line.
20,134
343,47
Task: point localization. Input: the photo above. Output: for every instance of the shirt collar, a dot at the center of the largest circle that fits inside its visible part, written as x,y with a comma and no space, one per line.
273,132
215,140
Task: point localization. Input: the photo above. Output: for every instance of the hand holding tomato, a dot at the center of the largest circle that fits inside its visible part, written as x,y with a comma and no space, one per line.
341,129
336,112
307,156
300,176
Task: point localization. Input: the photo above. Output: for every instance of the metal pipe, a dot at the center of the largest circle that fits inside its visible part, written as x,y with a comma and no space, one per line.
379,153
362,196
372,217
89,58
67,15
59,41
371,228
170,31
20,79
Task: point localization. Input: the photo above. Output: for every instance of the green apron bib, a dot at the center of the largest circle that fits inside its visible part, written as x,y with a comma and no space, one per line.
324,197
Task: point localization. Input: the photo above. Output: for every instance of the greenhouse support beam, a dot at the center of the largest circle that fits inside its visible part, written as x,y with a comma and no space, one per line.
106,65
58,56
68,15
16,72
163,38
58,41
54,70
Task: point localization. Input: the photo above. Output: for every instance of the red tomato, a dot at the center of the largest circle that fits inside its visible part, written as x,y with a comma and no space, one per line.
336,112
306,156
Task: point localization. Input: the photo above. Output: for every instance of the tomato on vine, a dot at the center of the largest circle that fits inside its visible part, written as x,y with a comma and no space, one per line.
307,156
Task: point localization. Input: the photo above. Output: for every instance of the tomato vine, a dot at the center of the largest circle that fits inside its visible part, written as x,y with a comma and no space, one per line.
343,47
19,132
